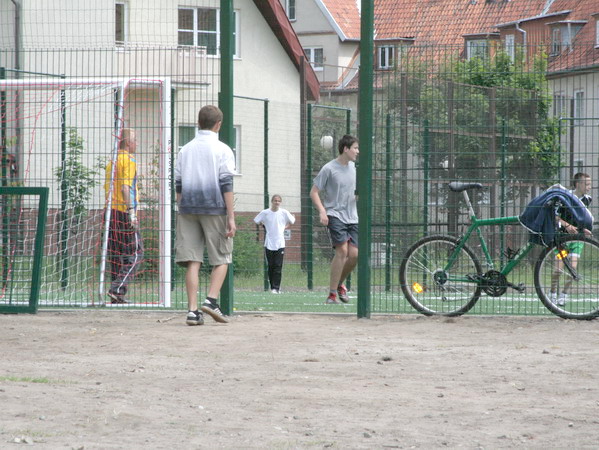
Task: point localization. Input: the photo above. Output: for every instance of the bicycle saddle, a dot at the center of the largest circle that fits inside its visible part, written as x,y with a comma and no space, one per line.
458,186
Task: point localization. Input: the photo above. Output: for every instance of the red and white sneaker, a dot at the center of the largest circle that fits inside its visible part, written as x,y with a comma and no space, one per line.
332,299
342,293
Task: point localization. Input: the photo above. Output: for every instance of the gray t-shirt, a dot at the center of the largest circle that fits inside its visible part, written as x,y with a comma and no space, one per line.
338,185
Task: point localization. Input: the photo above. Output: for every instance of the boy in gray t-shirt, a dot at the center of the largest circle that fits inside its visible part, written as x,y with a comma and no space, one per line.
338,212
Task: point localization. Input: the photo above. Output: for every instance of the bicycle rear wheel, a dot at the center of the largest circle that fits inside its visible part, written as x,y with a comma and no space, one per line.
433,290
572,268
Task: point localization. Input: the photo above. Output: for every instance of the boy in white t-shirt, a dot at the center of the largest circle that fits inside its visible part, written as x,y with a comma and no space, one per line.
275,220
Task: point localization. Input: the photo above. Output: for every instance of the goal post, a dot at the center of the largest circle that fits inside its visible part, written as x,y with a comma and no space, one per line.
23,231
63,132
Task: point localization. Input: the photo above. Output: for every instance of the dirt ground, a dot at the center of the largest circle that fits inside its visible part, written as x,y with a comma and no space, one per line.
121,379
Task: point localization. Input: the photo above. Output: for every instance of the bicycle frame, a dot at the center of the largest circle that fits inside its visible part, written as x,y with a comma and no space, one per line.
475,226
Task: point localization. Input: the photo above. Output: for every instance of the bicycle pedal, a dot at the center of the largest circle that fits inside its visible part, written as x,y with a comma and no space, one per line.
520,287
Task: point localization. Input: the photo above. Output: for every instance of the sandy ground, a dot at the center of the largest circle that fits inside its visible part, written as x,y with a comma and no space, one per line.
116,379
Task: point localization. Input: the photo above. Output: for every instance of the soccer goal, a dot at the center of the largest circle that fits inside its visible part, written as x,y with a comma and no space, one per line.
63,134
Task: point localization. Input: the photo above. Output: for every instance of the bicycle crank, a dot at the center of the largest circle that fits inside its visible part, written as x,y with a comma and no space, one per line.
495,283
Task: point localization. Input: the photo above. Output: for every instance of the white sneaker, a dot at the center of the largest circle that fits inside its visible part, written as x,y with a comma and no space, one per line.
274,291
553,297
563,298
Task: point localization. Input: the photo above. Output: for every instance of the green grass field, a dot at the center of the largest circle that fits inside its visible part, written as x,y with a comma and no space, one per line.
250,296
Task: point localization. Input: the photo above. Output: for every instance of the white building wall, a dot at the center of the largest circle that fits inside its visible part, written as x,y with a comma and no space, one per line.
76,38
580,138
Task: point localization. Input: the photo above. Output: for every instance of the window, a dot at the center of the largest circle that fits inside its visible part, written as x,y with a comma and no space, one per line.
200,27
316,57
120,32
386,56
510,46
478,48
186,134
556,41
290,8
597,33
560,105
578,106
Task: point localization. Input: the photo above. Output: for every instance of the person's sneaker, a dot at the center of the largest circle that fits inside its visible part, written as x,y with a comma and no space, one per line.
213,310
563,298
553,297
274,291
194,318
342,293
332,299
117,299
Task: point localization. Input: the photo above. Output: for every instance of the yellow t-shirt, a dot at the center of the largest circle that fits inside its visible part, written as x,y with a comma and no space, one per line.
125,174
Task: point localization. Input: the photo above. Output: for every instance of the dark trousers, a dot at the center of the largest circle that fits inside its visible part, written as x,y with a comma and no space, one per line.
125,251
274,258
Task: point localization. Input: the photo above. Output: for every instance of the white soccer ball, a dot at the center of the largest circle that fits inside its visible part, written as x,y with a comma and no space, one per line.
326,142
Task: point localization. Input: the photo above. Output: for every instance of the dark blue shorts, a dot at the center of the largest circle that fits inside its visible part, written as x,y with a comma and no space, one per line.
340,232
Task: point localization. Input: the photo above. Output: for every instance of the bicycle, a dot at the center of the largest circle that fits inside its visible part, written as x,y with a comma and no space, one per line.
441,275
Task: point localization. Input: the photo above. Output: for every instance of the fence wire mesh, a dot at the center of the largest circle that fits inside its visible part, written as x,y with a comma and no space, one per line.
517,123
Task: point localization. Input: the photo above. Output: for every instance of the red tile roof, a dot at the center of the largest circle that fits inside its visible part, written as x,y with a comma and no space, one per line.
346,14
583,52
445,22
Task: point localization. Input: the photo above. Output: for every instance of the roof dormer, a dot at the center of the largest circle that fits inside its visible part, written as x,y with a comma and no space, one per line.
563,34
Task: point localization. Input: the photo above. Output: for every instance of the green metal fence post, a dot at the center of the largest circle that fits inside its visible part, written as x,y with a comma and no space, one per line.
364,175
36,274
388,191
227,133
426,145
266,192
348,131
348,121
502,185
309,238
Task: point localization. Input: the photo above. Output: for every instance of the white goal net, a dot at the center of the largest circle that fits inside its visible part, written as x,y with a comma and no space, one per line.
63,134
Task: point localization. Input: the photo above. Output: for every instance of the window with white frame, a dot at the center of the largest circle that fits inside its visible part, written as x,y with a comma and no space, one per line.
556,41
578,107
560,105
316,57
290,9
510,46
386,56
200,27
597,32
477,48
120,23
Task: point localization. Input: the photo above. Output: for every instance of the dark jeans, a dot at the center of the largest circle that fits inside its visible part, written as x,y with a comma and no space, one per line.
275,266
125,251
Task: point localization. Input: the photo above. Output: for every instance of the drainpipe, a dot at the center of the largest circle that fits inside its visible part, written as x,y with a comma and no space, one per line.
17,74
17,25
524,40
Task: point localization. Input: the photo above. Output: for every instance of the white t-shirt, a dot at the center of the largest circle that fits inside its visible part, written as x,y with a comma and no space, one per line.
275,223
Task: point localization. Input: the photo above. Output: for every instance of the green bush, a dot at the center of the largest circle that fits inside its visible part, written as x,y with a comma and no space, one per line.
247,249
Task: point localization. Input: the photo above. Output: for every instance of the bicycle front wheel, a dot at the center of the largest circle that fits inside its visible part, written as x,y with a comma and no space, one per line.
432,285
567,278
